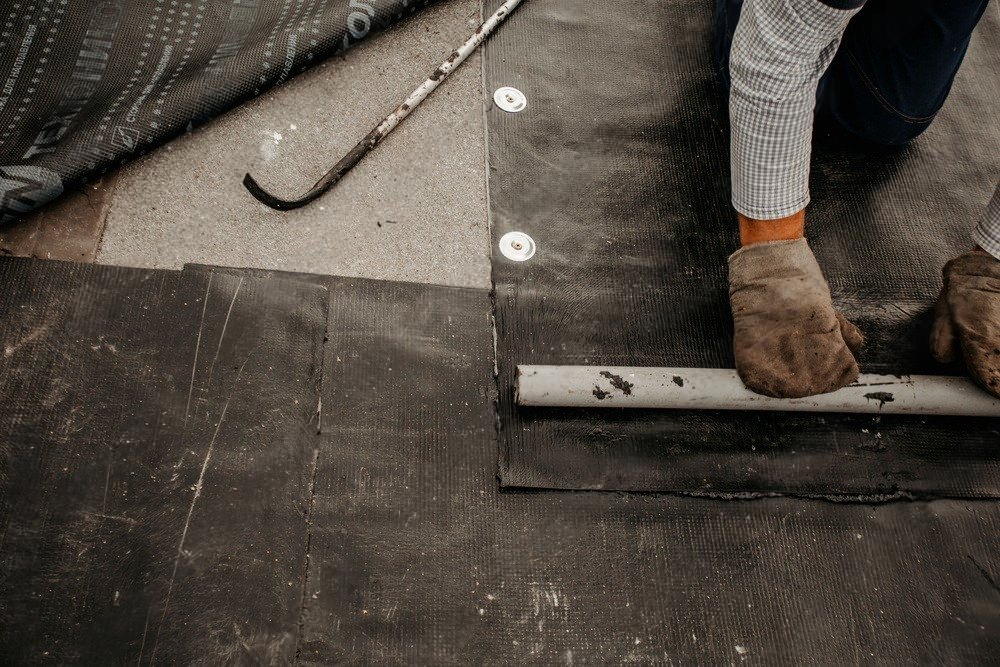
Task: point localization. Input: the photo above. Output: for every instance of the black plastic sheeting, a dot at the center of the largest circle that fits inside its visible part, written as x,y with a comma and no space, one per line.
157,451
88,85
618,168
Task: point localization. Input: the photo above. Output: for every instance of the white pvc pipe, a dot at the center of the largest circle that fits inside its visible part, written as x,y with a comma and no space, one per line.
722,389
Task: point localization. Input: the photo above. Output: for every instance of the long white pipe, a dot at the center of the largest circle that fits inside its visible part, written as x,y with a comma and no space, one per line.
722,389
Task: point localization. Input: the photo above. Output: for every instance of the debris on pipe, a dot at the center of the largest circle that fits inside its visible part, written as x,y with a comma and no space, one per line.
389,123
722,389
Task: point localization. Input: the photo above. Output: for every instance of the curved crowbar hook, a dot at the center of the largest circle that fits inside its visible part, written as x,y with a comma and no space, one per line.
388,124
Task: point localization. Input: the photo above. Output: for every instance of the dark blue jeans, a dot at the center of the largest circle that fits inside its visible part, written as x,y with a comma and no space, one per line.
893,70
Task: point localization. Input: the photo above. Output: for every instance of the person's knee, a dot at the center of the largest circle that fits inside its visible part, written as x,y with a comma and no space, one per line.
885,129
896,66
848,99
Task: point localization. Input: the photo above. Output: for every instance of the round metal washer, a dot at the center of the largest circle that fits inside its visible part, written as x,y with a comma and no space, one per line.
517,246
510,99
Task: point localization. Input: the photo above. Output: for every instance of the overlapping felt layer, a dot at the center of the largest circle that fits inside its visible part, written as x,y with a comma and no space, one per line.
157,450
386,540
618,168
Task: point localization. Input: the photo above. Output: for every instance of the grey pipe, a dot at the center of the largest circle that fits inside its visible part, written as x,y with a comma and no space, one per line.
722,389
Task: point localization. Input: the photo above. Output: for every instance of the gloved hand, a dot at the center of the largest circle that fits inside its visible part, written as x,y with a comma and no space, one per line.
967,316
789,341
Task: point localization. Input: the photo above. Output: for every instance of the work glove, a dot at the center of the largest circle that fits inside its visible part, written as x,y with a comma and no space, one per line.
788,340
967,317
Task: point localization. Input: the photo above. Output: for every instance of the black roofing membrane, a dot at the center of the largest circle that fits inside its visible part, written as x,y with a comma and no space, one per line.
618,168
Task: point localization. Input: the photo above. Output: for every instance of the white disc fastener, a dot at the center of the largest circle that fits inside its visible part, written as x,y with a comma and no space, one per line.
510,99
517,246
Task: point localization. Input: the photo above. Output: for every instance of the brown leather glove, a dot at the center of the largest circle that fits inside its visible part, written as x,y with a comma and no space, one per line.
788,339
967,317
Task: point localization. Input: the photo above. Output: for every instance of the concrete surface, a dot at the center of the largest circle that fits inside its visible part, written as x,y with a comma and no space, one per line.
413,210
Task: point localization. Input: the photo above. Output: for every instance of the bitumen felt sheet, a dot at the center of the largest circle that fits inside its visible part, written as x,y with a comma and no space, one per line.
157,437
618,168
143,527
157,449
417,557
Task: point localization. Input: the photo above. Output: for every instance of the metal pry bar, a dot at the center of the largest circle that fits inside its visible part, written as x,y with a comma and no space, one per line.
389,123
722,389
